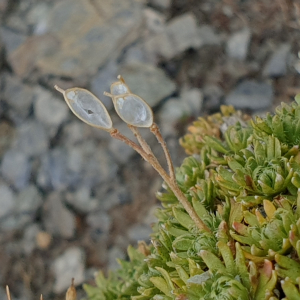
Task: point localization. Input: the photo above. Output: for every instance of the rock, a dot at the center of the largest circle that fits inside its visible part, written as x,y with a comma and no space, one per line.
27,203
252,95
3,8
29,238
114,254
99,221
53,170
208,36
29,54
171,113
98,165
57,219
7,200
162,4
238,43
70,264
139,232
276,66
82,201
48,109
43,240
11,39
194,99
18,96
112,195
62,168
155,22
105,29
148,82
37,16
102,80
15,167
212,97
181,33
32,138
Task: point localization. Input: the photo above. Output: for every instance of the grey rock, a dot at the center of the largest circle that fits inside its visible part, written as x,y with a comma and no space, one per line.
18,96
98,165
87,164
112,195
30,54
15,167
99,221
37,16
82,201
53,171
212,96
148,82
11,39
181,33
102,34
139,232
162,4
155,21
26,205
7,200
252,95
114,254
29,201
32,138
57,218
102,80
276,66
136,53
208,36
171,113
71,262
29,239
48,109
238,43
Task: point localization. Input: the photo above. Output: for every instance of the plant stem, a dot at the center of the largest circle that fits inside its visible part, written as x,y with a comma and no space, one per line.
155,130
149,157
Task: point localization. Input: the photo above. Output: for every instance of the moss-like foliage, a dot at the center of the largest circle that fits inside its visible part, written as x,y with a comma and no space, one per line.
243,180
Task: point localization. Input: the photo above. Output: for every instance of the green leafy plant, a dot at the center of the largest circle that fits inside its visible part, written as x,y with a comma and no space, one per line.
229,225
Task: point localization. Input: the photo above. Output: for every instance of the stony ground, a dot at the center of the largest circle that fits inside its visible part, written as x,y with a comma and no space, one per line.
71,198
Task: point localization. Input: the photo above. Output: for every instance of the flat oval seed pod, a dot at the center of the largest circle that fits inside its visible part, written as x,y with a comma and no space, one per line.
133,110
87,107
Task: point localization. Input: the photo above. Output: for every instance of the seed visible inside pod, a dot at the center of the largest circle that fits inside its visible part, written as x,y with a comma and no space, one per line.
87,107
133,110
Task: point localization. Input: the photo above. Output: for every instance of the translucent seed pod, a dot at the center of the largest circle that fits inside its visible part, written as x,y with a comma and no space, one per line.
131,108
87,107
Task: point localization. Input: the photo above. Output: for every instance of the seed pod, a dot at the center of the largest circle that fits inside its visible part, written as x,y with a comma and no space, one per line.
87,107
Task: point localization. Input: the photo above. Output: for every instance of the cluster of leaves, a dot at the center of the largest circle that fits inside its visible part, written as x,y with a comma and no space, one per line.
243,180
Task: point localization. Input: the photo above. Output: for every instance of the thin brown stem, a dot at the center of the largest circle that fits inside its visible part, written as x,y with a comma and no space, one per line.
170,181
155,130
140,139
115,133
